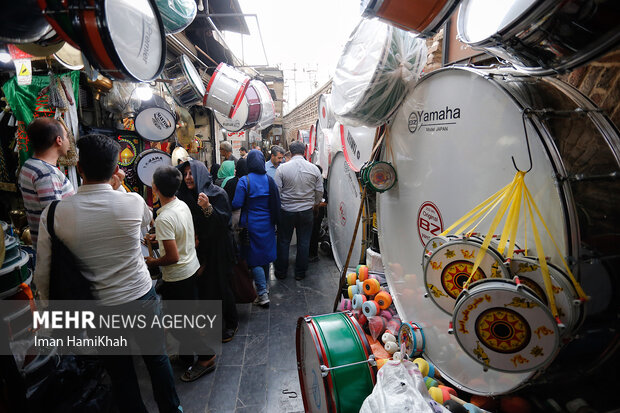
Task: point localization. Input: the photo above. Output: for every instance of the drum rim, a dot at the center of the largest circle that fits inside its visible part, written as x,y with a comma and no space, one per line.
240,93
141,155
186,65
21,262
43,5
534,297
150,139
409,326
377,163
339,264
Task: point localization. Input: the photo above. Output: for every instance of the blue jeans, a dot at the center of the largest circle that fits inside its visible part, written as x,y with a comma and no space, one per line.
261,278
302,223
123,374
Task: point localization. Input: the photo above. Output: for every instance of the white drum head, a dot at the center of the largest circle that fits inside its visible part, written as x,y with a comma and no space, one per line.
325,157
310,368
155,124
193,76
148,161
452,141
480,19
335,140
237,122
137,37
326,113
268,111
357,145
342,209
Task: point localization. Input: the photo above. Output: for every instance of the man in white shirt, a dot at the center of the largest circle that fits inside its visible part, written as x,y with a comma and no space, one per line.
101,227
277,154
301,187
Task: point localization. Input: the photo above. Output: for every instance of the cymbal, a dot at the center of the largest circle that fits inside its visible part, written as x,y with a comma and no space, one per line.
185,126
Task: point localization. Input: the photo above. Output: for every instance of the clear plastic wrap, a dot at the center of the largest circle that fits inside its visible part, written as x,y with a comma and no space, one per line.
121,98
400,388
378,66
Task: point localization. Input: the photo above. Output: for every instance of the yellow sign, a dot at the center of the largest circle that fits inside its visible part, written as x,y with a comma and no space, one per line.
24,71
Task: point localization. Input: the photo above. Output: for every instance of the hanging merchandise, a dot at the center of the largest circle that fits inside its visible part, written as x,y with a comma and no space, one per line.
28,103
185,85
268,110
148,161
155,120
185,127
379,64
176,14
22,22
226,89
327,118
247,115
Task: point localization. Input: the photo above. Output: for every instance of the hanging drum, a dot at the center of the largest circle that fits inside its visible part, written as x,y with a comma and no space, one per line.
454,136
22,22
268,111
123,39
357,144
332,362
155,120
449,268
187,86
148,161
69,57
326,113
541,37
246,116
420,16
570,309
505,326
344,192
176,14
226,89
311,143
378,65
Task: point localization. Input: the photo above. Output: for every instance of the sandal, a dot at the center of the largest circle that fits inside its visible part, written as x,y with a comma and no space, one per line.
197,370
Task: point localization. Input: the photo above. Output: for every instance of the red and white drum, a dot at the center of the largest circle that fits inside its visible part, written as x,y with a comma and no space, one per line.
504,326
357,143
324,137
422,16
327,118
247,115
311,143
268,110
335,141
452,140
226,89
148,161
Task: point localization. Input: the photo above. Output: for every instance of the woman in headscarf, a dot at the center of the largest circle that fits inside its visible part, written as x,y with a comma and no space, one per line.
259,199
226,171
211,214
241,169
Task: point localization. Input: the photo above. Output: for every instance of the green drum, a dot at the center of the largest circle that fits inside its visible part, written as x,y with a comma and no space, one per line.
13,274
332,361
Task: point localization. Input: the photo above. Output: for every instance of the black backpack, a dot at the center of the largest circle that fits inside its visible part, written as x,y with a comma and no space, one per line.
66,279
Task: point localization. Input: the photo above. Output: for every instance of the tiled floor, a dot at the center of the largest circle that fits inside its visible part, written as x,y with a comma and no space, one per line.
257,371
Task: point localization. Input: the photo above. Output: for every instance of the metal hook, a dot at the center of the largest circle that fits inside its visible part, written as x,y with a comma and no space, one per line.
526,112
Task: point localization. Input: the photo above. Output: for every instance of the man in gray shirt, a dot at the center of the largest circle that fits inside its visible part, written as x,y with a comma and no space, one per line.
301,187
277,154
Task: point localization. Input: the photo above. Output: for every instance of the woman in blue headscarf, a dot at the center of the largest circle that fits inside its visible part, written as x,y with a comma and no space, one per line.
259,199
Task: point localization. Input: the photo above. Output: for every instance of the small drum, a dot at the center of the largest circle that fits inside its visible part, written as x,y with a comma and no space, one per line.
69,57
311,143
268,110
14,273
247,114
504,326
226,89
345,196
449,267
570,308
326,113
453,116
357,143
424,17
22,22
177,15
332,362
123,39
155,120
412,338
187,86
378,65
541,37
148,161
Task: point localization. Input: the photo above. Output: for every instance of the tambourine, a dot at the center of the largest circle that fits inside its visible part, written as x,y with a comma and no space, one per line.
505,326
378,176
449,268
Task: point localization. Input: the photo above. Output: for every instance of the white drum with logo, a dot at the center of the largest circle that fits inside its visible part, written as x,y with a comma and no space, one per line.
148,161
155,120
357,144
344,192
452,142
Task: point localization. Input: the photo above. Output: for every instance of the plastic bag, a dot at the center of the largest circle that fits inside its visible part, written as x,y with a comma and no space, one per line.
400,388
378,66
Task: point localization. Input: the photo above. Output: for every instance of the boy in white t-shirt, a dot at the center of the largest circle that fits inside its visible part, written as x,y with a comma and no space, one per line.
174,230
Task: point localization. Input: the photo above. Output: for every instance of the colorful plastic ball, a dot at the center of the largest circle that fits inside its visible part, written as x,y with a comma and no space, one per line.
384,299
436,394
351,278
362,272
371,286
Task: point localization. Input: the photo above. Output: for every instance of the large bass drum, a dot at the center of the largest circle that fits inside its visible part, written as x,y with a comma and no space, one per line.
452,142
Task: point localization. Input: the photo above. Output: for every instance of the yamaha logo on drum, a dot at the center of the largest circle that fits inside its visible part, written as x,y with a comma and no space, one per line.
433,121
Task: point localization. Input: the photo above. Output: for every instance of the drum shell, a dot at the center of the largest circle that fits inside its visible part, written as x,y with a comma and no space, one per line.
334,339
183,87
268,110
551,37
226,89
